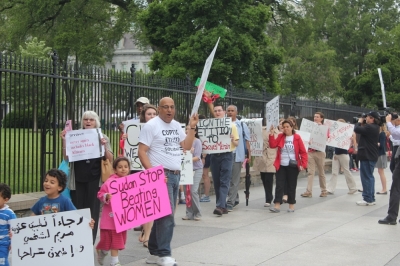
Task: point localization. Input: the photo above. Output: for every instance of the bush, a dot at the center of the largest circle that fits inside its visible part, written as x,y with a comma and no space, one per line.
22,119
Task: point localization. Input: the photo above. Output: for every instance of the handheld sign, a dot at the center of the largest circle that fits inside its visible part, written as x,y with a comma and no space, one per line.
186,169
272,112
131,146
139,198
256,139
318,134
211,87
305,137
339,134
203,80
215,134
382,87
83,144
61,239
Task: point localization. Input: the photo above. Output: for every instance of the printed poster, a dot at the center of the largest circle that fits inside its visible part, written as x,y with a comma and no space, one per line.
215,134
256,139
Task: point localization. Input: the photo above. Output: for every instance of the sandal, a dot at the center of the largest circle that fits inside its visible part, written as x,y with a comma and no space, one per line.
146,243
141,236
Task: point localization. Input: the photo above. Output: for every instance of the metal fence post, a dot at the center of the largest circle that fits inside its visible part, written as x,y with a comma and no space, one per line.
132,92
230,91
188,85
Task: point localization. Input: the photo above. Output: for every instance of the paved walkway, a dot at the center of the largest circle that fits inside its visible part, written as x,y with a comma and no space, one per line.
322,231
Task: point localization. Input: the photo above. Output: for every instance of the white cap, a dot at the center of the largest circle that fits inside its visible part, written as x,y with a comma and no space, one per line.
143,100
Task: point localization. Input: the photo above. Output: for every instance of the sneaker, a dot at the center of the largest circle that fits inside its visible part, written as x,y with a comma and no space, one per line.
205,198
229,208
364,203
182,201
225,211
353,170
352,191
152,259
116,264
235,204
218,211
307,194
356,169
267,204
330,193
323,194
166,261
101,254
197,218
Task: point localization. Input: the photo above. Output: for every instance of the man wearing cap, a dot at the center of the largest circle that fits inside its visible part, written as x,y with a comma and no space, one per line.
140,102
368,153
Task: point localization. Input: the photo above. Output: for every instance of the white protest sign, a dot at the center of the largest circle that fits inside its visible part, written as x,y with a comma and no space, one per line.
186,169
272,112
215,134
203,80
305,137
83,144
62,239
256,139
339,134
318,134
132,130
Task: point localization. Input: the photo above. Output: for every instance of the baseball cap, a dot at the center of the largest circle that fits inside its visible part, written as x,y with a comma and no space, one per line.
143,100
373,114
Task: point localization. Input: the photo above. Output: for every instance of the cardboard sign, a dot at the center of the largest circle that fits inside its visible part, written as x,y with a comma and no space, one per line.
61,239
305,137
139,198
318,134
186,169
131,147
339,134
83,144
213,88
256,139
215,134
203,80
272,112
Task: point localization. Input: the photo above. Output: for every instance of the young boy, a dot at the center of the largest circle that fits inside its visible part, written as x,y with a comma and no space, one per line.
54,183
6,214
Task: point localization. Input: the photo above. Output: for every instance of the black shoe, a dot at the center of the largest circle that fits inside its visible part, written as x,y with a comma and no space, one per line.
387,220
138,228
224,211
235,204
218,211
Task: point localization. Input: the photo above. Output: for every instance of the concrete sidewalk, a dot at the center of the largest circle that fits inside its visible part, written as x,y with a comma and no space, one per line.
327,231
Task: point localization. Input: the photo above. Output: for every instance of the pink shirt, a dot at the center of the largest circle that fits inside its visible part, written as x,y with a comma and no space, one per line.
107,215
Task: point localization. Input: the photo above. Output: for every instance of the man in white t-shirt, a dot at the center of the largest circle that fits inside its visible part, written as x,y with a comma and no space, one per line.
160,141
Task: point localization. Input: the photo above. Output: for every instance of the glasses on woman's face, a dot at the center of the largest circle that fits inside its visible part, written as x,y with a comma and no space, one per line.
88,119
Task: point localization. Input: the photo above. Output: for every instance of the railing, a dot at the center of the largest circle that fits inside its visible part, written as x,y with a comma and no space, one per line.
37,97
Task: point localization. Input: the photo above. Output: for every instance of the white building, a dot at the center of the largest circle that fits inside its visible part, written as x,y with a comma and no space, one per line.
126,53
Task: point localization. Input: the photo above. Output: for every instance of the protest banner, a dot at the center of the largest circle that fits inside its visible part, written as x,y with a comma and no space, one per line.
272,112
339,134
132,130
318,134
203,80
186,169
215,134
256,139
62,239
139,198
83,144
213,88
305,137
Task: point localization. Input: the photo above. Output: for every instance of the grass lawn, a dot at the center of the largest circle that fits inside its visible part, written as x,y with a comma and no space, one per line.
20,157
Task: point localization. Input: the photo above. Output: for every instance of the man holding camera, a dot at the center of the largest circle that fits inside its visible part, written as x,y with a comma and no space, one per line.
393,125
368,153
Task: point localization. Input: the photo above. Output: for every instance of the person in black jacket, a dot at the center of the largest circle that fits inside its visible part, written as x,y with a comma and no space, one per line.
368,153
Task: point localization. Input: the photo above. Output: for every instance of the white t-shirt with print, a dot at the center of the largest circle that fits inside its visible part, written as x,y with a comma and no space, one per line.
163,140
287,152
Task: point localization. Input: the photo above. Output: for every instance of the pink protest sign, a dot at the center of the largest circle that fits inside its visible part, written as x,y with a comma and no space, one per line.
139,198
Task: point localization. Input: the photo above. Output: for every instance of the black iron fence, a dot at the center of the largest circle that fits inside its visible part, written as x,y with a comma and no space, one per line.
37,97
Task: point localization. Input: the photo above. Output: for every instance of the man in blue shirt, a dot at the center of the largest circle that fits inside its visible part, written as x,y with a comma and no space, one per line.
239,156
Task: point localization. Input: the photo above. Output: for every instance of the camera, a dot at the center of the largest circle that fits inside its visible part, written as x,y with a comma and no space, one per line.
363,115
387,111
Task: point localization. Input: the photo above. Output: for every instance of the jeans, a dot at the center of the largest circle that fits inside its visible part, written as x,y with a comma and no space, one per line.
163,228
221,169
368,180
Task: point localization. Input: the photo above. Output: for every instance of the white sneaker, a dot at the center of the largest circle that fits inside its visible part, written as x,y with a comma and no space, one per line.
364,203
152,259
267,204
166,261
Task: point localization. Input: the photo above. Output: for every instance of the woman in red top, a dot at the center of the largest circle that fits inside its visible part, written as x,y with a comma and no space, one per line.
290,147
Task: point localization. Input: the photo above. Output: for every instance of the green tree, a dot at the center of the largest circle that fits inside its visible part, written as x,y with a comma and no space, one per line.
183,33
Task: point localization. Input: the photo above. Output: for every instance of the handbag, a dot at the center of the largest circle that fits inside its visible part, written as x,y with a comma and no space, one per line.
292,163
106,169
